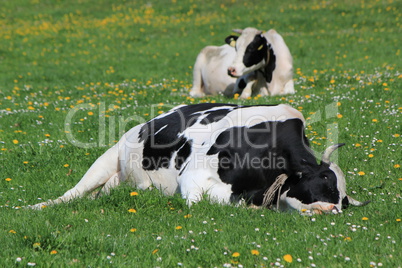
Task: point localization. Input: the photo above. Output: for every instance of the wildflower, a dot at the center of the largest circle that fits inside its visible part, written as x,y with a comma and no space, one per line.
15,141
397,166
347,238
235,254
66,165
154,251
133,193
361,173
36,245
12,232
47,135
288,258
187,216
396,135
133,230
374,120
53,252
90,113
370,155
365,219
179,227
358,145
8,179
338,104
131,210
398,220
339,115
255,252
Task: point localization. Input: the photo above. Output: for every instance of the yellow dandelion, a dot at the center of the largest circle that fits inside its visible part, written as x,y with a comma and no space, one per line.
358,145
133,230
288,258
339,115
371,155
90,113
36,245
8,179
379,140
361,173
347,238
53,252
236,96
338,104
396,135
188,216
66,165
398,220
255,252
15,141
178,228
365,219
12,232
307,96
397,166
374,120
236,254
133,193
154,251
131,210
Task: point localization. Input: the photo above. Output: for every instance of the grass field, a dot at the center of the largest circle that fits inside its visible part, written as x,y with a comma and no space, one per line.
76,74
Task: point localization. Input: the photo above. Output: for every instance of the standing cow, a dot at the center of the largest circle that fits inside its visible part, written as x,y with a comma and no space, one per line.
228,152
253,63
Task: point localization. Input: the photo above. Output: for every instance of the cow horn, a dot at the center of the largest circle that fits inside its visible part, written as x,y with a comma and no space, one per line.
356,203
327,153
239,31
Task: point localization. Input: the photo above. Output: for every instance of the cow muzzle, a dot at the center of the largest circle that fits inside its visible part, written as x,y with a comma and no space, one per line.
232,72
321,209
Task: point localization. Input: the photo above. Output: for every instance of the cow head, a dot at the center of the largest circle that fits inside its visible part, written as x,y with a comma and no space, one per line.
320,188
251,51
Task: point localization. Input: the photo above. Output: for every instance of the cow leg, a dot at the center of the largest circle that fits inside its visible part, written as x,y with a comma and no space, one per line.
195,184
104,169
289,87
196,90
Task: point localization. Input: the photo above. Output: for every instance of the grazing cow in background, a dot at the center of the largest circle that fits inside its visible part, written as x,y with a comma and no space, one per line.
253,63
228,152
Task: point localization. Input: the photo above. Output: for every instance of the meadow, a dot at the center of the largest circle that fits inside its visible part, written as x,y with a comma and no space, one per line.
76,74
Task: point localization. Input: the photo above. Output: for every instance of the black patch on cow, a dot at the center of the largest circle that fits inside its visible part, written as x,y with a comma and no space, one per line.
215,116
250,158
345,202
161,136
270,67
230,39
242,84
256,51
183,153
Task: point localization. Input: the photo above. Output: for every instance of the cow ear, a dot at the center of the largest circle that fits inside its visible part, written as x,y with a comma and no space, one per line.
231,40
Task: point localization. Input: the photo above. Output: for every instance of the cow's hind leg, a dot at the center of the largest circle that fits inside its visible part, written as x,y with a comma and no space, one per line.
105,170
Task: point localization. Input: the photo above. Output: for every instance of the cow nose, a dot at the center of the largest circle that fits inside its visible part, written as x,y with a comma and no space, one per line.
232,71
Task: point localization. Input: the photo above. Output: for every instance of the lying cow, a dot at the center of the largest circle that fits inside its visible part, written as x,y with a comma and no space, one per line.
254,63
227,152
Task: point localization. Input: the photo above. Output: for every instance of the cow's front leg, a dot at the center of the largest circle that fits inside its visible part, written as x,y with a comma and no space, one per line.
194,185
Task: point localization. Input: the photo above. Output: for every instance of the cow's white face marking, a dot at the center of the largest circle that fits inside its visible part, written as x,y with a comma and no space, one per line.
238,66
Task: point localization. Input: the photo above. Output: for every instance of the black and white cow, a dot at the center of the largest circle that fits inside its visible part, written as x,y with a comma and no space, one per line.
227,152
253,63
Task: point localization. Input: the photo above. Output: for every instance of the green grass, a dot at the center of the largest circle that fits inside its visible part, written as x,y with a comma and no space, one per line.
123,62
